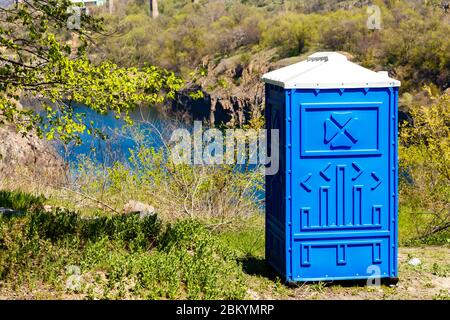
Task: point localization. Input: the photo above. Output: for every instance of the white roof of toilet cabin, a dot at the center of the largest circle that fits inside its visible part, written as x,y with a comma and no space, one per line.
328,70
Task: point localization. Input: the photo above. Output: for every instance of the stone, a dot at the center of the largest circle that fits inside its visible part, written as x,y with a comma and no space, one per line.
143,209
239,94
28,156
8,213
415,262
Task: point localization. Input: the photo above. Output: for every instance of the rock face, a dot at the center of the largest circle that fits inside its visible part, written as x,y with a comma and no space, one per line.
144,210
30,156
233,90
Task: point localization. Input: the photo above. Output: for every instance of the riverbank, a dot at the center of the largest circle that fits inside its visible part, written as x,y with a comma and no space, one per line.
28,156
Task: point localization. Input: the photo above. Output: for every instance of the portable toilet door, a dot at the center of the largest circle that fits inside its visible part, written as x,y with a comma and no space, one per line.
331,210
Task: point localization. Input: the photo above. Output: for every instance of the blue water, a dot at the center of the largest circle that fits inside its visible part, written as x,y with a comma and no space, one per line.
149,128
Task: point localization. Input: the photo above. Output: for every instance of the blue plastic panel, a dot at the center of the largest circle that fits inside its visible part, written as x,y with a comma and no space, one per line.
346,129
340,258
337,194
275,184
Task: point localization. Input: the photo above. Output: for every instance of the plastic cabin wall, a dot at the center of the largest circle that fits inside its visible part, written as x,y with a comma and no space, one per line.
331,211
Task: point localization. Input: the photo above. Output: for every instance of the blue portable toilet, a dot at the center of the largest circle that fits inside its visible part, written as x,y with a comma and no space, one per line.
331,210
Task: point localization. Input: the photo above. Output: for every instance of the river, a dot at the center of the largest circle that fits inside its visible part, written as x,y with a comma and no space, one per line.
149,128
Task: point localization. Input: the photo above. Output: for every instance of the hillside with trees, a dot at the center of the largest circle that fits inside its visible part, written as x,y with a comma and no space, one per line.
237,41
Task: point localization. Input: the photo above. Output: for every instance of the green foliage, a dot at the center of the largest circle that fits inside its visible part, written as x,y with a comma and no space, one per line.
424,154
187,235
221,192
20,201
293,33
222,83
183,35
412,42
207,267
111,89
246,237
39,62
132,232
189,263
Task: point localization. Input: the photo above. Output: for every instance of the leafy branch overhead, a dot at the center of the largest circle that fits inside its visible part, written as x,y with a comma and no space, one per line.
41,58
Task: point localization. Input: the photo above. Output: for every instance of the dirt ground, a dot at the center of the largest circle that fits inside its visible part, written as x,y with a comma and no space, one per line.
428,280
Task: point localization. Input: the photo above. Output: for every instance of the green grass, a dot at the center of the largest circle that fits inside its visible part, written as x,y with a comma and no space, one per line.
410,236
247,237
42,254
20,201
116,257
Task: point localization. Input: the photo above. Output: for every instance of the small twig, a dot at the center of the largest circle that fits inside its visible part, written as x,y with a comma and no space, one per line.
217,225
92,198
435,230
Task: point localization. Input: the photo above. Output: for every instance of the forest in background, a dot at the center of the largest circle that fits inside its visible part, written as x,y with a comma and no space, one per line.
412,43
223,47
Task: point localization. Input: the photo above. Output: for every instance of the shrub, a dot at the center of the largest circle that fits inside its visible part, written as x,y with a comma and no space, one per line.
207,268
186,261
221,192
131,231
424,154
412,42
19,200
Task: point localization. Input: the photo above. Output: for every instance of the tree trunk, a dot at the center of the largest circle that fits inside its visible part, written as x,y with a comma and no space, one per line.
154,13
111,6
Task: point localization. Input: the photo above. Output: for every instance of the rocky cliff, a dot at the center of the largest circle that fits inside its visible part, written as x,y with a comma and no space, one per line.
233,90
28,156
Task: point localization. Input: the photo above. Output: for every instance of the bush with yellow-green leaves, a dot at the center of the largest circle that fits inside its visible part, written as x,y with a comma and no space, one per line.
424,154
